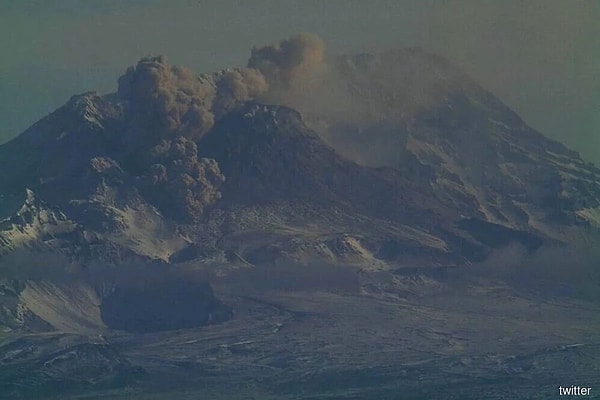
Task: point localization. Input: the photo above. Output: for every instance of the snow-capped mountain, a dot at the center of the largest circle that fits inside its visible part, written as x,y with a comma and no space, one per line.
435,171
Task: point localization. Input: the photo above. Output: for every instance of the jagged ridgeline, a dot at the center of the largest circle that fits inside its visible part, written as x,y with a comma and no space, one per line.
380,160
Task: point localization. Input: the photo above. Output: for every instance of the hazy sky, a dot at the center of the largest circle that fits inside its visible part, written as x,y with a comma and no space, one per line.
541,57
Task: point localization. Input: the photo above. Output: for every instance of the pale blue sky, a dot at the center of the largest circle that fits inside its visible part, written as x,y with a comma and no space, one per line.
542,57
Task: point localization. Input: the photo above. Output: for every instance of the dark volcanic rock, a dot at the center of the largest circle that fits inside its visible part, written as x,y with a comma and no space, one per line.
36,368
268,155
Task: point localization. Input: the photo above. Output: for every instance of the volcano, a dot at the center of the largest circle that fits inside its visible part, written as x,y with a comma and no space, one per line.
339,227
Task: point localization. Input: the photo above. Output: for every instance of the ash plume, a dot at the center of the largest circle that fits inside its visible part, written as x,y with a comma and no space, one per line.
178,182
167,100
169,108
289,64
389,84
235,86
300,76
341,97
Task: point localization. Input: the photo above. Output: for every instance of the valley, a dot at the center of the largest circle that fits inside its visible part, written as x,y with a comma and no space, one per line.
328,332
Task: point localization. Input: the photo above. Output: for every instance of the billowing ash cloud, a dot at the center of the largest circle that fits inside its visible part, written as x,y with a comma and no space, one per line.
167,100
355,91
300,76
235,86
288,65
180,183
389,84
360,90
168,108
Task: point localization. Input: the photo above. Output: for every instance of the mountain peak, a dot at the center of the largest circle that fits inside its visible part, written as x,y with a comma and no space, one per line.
30,197
90,106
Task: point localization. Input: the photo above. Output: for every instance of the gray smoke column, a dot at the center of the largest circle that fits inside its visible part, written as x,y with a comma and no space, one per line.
300,77
290,63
